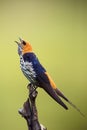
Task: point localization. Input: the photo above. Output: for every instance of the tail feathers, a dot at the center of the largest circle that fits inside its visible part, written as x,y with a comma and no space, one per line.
61,95
74,106
53,94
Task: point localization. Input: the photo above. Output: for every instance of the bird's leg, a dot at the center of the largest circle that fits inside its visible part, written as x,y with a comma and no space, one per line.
32,89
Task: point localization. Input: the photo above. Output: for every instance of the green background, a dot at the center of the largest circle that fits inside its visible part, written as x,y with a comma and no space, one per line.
57,30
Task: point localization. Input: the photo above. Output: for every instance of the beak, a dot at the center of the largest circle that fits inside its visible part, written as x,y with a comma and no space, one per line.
20,40
19,43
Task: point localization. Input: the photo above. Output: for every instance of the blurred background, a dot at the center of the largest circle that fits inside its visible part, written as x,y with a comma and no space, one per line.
57,30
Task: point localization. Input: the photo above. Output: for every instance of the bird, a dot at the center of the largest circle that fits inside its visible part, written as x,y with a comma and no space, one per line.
38,75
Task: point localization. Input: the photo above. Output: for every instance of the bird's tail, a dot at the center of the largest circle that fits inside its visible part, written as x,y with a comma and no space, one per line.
53,94
59,93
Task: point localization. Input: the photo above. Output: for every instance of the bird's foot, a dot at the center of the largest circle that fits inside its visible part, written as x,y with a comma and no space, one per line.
32,91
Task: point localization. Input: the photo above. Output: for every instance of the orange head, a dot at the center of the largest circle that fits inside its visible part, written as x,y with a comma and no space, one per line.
25,46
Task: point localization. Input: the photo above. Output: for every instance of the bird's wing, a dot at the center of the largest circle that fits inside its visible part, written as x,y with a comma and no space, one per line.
44,83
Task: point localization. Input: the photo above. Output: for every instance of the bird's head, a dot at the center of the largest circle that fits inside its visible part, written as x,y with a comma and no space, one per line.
24,47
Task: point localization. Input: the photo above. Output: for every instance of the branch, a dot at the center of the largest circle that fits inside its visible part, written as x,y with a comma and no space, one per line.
29,110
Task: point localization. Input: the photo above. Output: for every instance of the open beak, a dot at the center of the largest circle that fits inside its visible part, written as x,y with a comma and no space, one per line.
19,43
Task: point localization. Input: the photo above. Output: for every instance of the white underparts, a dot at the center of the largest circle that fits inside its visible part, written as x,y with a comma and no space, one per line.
27,69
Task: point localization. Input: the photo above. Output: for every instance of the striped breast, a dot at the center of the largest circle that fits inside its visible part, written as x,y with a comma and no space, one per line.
28,70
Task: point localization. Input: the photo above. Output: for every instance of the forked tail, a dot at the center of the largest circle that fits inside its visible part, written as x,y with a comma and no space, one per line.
74,106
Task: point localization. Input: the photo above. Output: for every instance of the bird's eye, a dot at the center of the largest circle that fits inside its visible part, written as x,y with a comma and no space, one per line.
24,43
